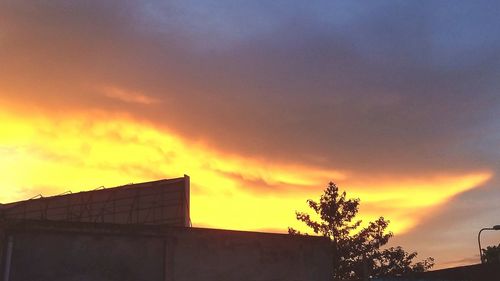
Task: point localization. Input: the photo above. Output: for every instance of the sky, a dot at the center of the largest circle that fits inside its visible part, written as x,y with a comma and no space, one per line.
262,103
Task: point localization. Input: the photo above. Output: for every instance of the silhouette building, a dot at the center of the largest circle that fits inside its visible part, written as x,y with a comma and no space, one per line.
143,232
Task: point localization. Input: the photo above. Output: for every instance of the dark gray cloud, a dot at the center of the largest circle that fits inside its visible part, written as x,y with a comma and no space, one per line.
388,86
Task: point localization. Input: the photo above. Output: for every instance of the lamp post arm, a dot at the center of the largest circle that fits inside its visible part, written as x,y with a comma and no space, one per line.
479,242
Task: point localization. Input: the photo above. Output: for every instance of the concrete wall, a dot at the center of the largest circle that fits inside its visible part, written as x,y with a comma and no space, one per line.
225,255
77,252
57,256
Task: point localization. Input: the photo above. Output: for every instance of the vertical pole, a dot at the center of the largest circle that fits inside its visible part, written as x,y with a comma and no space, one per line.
187,222
479,243
3,245
8,258
168,259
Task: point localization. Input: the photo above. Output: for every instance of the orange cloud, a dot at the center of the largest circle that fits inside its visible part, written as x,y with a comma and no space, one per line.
128,96
46,154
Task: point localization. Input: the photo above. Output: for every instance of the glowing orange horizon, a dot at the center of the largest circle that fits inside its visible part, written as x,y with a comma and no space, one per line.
50,154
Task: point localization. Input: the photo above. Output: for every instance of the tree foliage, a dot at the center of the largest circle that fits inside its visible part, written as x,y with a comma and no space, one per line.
492,254
357,250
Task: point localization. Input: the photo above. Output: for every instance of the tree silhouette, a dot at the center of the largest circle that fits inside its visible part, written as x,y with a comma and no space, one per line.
357,252
492,254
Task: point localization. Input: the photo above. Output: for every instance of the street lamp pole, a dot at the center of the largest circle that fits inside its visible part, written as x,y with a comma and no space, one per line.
496,227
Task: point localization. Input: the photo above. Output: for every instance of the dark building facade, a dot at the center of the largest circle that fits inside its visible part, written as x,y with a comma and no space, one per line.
142,232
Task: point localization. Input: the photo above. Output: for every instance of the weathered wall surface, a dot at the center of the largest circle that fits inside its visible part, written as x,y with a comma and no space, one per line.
173,254
42,256
215,255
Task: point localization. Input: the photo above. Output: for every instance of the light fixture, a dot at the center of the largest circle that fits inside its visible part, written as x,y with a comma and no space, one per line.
495,227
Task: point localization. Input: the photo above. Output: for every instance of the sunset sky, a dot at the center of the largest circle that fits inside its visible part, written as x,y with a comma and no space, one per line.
262,103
